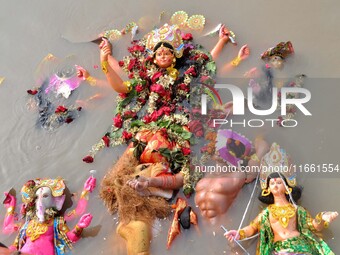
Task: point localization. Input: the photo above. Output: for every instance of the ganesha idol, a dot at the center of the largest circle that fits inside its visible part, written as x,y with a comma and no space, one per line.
44,231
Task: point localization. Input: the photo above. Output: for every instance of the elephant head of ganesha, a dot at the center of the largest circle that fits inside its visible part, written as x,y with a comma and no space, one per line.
43,198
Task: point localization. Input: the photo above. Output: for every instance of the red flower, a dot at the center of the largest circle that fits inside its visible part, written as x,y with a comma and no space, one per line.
187,36
68,120
159,89
122,95
147,119
132,64
106,140
88,159
130,76
139,88
186,151
79,108
136,48
184,87
60,109
196,127
166,110
149,59
143,75
155,77
129,114
118,121
126,135
141,100
121,63
32,92
191,71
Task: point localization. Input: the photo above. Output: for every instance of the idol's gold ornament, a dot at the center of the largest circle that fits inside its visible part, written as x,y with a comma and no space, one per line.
282,213
266,192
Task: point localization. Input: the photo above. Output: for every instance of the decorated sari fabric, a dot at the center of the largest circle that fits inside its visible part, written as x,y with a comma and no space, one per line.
306,243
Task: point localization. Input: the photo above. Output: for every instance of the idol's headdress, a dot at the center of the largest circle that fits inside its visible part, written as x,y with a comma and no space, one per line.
282,49
277,161
233,139
57,187
169,34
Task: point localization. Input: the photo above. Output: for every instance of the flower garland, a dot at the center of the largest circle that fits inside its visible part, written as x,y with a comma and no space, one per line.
163,99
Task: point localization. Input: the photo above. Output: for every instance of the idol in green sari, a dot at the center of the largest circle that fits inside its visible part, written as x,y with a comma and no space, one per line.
284,228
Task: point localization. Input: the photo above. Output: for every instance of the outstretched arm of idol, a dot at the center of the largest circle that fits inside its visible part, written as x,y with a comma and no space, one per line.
89,186
223,39
9,225
75,234
216,192
113,71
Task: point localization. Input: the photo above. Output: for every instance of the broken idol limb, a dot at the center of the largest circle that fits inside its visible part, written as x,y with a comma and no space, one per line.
216,191
44,230
183,216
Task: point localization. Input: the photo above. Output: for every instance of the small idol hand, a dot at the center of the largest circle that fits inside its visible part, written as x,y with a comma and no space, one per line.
329,216
105,49
85,220
82,73
232,235
224,33
10,200
90,184
244,52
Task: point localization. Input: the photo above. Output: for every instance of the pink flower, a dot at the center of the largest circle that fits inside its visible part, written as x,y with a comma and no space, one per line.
159,89
187,36
155,77
132,64
118,121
